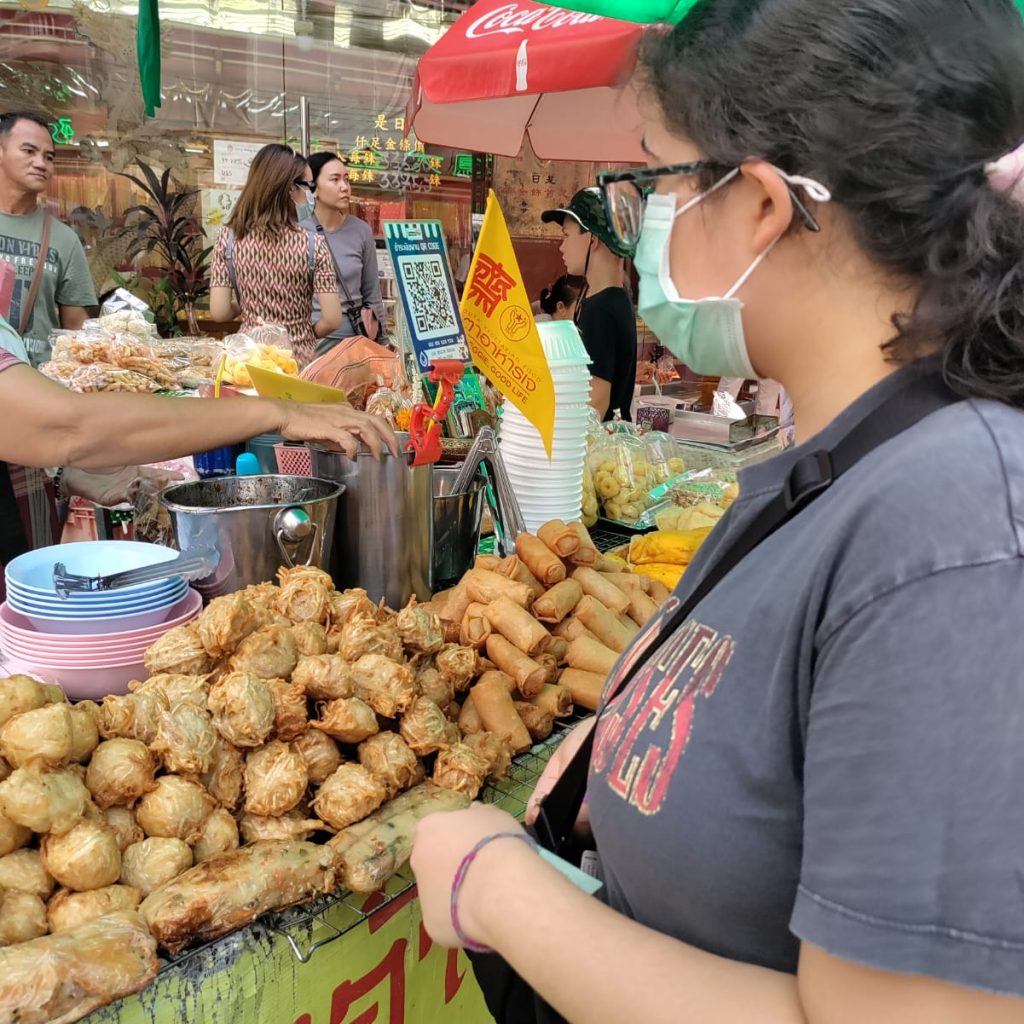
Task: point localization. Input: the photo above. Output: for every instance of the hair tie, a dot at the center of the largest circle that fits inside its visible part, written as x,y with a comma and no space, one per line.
1006,175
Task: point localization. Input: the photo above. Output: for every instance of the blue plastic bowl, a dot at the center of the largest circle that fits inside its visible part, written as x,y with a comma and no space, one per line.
33,572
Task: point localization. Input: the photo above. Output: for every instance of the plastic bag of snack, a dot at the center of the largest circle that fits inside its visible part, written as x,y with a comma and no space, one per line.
392,406
622,477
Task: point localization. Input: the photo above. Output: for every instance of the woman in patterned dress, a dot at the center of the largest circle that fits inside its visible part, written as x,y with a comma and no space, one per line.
277,267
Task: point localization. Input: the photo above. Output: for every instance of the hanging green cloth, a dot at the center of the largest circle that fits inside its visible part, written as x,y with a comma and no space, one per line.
147,43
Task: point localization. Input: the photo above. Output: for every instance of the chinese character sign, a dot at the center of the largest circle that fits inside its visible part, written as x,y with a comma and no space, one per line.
500,328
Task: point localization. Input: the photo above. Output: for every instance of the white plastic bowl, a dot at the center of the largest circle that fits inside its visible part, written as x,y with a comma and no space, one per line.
34,570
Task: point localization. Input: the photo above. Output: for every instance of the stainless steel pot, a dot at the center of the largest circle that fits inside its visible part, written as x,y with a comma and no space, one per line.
256,523
383,540
457,518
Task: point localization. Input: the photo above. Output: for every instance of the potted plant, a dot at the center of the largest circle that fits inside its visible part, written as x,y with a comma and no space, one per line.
167,228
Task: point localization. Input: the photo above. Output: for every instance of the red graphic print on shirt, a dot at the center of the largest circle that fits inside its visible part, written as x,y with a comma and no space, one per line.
688,666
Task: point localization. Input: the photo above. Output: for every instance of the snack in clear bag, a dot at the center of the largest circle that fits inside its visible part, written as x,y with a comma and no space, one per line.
622,477
267,346
104,377
391,406
661,456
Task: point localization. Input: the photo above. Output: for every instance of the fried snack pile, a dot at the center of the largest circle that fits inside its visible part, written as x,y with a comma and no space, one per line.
285,716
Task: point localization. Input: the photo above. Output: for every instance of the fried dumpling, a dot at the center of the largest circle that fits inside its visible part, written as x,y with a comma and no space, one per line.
174,809
458,665
22,918
276,779
324,677
242,709
432,685
387,686
85,733
310,639
132,716
185,740
460,768
24,871
42,800
224,779
224,623
304,573
349,603
176,688
349,795
320,753
42,736
419,628
269,653
219,834
19,694
14,836
154,862
362,635
426,729
388,757
179,651
291,712
493,750
291,825
349,720
304,599
69,910
121,820
120,772
85,857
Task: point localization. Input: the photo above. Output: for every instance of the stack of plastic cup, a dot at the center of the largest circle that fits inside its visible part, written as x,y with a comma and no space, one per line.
551,489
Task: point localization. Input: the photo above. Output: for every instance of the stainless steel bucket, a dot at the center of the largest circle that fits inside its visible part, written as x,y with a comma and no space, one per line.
256,523
382,541
457,519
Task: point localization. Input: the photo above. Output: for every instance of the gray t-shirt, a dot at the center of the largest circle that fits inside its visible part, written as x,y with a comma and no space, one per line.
355,255
66,278
832,748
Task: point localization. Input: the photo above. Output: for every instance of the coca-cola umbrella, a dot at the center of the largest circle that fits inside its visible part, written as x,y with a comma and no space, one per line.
512,67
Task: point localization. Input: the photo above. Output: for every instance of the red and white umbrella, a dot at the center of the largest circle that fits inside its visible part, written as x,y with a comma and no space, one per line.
512,67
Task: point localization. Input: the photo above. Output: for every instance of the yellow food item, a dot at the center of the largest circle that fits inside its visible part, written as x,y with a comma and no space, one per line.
677,466
266,357
669,575
732,492
672,547
703,516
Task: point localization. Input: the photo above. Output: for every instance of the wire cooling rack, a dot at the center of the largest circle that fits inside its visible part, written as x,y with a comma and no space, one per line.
318,923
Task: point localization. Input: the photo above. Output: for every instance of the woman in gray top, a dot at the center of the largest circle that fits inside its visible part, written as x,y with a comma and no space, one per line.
351,243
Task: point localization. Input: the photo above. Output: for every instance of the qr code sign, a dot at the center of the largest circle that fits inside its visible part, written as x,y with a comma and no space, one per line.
426,286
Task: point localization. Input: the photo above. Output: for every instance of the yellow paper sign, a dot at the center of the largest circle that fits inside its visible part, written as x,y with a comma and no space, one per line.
502,334
269,384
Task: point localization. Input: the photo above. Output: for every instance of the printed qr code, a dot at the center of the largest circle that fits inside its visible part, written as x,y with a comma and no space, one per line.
426,285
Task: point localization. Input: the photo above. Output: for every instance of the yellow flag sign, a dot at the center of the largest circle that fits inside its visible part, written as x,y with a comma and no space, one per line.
502,334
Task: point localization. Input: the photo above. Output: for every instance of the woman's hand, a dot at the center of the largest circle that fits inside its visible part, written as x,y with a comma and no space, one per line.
442,841
337,426
559,761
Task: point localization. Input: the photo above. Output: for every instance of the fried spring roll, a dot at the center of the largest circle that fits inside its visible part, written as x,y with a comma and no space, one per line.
591,656
658,591
604,624
528,675
455,607
538,722
469,718
629,626
641,608
585,687
495,675
555,699
489,562
561,540
451,631
515,570
586,553
557,647
629,581
498,713
569,629
594,584
558,602
605,563
545,565
550,664
516,625
476,627
484,586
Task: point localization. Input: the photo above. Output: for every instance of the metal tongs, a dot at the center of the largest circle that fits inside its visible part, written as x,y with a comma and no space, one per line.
193,565
508,518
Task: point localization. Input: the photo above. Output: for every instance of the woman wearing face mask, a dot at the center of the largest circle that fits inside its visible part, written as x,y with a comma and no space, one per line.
806,798
265,269
353,249
302,194
559,302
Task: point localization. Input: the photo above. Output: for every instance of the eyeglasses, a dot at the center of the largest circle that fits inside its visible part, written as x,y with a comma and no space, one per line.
625,195
299,183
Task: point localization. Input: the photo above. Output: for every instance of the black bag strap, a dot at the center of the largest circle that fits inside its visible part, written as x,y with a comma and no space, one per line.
352,310
229,256
810,477
13,539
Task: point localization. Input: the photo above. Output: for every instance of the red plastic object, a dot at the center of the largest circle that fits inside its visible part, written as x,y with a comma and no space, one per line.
425,427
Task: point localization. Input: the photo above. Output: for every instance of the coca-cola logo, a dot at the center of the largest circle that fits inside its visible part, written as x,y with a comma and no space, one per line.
511,20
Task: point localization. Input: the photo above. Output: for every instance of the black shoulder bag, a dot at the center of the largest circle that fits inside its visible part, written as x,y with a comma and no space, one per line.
508,997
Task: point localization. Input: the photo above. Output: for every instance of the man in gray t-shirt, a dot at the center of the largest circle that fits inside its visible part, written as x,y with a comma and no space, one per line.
830,750
26,164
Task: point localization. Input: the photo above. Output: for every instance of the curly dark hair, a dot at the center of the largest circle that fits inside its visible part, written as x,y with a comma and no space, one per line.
897,106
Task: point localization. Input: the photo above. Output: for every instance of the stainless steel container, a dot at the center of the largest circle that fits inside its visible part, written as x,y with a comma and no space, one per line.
457,519
256,524
383,538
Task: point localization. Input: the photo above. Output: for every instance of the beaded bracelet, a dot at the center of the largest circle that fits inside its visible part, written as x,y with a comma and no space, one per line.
460,877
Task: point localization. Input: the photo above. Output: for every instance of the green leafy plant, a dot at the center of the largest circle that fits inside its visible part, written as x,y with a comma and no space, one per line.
168,229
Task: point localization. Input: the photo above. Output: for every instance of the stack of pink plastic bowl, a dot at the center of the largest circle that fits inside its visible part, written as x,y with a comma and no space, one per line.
88,666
